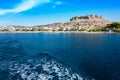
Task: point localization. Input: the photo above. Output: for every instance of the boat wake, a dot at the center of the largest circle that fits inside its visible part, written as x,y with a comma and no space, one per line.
41,66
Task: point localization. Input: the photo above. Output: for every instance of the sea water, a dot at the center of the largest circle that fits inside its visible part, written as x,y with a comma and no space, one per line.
59,56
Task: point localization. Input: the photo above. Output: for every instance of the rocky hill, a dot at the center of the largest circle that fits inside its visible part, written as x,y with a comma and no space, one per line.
88,21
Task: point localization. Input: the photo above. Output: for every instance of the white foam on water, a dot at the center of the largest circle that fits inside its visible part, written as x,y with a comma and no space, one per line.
48,70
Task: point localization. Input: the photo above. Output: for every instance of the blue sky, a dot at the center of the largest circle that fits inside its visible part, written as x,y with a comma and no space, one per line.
36,12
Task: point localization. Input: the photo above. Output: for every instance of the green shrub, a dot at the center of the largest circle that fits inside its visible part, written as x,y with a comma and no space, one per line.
82,29
95,29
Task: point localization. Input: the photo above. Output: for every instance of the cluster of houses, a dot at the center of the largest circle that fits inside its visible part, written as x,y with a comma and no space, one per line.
7,28
14,28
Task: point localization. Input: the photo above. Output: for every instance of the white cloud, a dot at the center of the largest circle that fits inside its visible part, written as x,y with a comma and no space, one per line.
57,3
23,6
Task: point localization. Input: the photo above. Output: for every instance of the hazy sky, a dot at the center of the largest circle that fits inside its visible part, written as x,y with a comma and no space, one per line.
36,12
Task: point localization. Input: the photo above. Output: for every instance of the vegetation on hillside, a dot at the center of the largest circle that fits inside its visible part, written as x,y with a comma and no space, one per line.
95,29
115,26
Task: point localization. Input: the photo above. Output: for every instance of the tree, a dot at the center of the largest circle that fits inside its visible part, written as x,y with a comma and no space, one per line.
61,29
115,25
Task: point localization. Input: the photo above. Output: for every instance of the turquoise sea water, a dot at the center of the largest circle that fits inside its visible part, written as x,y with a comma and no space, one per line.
59,56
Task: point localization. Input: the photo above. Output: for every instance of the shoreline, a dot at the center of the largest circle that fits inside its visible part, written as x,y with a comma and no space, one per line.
58,32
